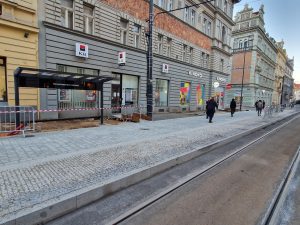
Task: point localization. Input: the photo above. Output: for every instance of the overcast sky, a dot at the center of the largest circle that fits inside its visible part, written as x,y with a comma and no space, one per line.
281,18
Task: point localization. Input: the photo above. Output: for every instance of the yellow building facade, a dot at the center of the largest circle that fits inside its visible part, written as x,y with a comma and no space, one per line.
18,48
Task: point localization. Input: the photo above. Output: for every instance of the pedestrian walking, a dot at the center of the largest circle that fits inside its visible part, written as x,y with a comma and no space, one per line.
264,104
232,107
259,107
211,108
206,109
256,105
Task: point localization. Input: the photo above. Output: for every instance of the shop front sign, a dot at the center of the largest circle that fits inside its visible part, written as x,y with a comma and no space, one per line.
165,68
221,79
195,74
122,58
82,50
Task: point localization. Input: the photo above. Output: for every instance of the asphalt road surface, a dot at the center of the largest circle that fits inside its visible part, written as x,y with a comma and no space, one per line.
237,192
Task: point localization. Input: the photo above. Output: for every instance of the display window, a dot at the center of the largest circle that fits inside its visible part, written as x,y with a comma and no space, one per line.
219,96
185,93
200,90
161,93
130,90
68,98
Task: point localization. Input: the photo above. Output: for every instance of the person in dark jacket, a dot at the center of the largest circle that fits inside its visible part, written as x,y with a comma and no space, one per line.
232,107
211,108
264,104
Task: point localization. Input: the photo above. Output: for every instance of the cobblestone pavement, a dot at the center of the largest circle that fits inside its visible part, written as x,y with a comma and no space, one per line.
39,170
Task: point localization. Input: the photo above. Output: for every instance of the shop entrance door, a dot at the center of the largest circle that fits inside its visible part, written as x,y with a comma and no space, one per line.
116,99
3,90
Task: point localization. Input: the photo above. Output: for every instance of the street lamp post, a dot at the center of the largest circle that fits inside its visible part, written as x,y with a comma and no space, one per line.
149,92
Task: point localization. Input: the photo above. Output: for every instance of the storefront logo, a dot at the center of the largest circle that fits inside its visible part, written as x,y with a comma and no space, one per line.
216,84
82,50
196,74
122,58
221,79
165,68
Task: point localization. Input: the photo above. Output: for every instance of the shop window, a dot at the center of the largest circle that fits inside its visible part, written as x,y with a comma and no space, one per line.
161,93
160,44
3,87
69,99
185,93
169,47
136,35
200,90
88,16
130,90
123,30
67,11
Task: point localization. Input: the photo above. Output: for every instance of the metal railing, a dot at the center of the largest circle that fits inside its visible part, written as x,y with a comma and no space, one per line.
8,120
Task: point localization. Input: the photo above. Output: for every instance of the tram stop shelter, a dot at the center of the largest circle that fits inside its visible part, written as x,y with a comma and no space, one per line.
39,78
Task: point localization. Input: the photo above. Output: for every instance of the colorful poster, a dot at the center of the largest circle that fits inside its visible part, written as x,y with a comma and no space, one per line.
90,96
185,93
200,91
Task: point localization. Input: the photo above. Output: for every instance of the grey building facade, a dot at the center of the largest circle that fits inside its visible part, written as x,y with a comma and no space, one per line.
191,54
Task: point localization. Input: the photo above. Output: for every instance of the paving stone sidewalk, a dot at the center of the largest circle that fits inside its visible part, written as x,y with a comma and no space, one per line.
38,171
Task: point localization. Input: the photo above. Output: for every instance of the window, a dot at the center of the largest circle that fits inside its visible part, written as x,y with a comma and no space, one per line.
222,65
209,28
241,44
161,93
169,47
223,34
88,17
69,99
160,44
170,5
204,25
191,56
67,13
136,35
161,3
186,14
246,44
0,9
193,14
3,79
184,53
202,58
225,6
123,31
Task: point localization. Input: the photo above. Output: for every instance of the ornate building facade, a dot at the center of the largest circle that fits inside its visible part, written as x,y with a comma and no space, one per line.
254,58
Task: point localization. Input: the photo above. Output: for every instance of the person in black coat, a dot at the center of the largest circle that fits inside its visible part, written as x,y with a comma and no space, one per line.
232,107
211,108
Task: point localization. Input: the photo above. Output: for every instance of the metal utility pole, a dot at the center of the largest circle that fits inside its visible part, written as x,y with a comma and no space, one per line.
149,92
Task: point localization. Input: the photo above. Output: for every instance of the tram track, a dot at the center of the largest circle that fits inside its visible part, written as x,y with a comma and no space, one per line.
271,212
